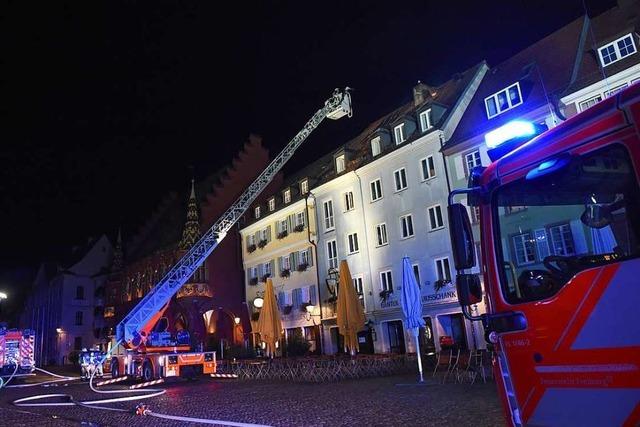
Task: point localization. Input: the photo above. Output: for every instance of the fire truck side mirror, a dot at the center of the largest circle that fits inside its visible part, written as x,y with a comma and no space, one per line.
461,237
469,289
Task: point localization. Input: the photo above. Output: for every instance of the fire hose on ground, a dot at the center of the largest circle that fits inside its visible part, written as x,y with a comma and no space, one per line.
141,409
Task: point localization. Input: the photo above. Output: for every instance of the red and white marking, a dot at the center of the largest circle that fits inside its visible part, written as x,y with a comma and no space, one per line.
146,384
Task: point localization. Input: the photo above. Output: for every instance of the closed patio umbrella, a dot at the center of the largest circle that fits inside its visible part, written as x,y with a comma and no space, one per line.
350,316
412,306
269,325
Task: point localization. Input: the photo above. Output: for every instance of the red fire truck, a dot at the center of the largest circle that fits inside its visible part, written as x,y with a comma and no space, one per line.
560,233
17,350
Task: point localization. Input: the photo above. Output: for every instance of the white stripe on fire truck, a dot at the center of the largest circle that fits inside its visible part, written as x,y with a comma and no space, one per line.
613,322
114,380
224,376
148,383
584,407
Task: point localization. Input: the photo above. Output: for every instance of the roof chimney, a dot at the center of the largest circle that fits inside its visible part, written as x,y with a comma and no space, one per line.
421,92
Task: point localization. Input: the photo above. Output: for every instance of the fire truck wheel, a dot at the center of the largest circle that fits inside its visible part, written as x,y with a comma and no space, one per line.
115,368
147,371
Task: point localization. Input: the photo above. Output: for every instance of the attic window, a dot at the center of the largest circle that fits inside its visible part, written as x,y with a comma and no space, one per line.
256,212
286,195
375,146
617,50
304,186
340,166
272,204
426,122
504,100
398,133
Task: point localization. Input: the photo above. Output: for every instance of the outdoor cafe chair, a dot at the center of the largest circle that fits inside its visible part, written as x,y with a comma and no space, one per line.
452,367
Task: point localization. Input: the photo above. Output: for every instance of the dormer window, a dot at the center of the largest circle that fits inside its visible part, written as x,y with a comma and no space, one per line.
256,212
398,133
376,148
504,100
340,165
617,50
425,120
272,204
304,186
286,195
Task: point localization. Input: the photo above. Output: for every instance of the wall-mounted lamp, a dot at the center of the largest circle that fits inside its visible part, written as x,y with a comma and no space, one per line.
59,330
258,302
236,320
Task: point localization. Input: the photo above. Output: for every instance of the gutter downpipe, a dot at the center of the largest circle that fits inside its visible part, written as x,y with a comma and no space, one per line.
315,255
444,160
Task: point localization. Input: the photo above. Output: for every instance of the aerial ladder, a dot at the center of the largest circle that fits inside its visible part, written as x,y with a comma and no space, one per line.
140,358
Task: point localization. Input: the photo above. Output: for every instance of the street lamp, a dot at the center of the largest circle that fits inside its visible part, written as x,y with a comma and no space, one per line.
258,302
59,330
332,281
3,296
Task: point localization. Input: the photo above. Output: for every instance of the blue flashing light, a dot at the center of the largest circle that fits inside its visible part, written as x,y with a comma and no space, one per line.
509,131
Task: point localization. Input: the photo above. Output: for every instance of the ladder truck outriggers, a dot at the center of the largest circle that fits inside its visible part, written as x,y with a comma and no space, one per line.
560,243
141,352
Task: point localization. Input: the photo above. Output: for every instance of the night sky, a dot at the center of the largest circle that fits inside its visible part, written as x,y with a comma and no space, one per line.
106,108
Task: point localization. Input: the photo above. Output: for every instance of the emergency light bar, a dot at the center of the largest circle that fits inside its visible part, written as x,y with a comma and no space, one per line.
510,136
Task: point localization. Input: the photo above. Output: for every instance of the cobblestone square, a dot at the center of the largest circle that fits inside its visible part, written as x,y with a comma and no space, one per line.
384,401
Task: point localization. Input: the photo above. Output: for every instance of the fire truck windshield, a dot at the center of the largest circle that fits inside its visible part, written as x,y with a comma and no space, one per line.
556,225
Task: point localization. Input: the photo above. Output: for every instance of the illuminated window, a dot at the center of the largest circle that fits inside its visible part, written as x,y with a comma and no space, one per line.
524,249
286,196
340,165
375,146
304,187
256,212
562,240
504,100
589,102
472,160
272,204
617,50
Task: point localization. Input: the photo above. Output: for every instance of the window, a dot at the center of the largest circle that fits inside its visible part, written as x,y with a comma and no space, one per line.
305,257
425,120
435,217
253,272
80,292
386,281
265,234
328,215
348,201
340,165
400,178
559,226
615,90
357,283
285,263
428,168
79,318
304,186
375,146
523,246
504,100
617,50
589,103
77,343
352,243
286,196
272,204
416,273
472,160
251,239
300,219
284,226
381,233
475,214
442,269
562,240
398,133
376,190
406,226
332,254
256,212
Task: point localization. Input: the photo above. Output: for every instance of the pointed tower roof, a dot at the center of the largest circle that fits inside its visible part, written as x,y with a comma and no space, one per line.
118,255
191,230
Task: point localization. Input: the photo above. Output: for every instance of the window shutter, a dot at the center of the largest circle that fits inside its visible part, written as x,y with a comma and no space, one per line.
259,269
248,274
292,262
310,256
246,245
268,233
280,264
290,222
297,298
296,261
278,231
281,300
256,236
312,295
273,267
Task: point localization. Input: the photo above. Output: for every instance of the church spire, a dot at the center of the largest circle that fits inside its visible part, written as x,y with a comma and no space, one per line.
191,231
118,255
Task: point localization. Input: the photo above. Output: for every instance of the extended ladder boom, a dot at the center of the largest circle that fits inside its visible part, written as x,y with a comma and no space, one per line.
137,322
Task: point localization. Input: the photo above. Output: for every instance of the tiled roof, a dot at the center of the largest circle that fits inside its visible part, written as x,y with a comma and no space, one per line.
603,29
543,69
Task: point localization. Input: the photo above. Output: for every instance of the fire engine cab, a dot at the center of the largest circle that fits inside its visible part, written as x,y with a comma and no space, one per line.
560,238
16,350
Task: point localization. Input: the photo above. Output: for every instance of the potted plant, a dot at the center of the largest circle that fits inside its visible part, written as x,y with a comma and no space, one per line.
251,248
287,309
253,281
299,228
255,316
285,273
384,294
262,243
439,284
283,234
303,266
265,277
